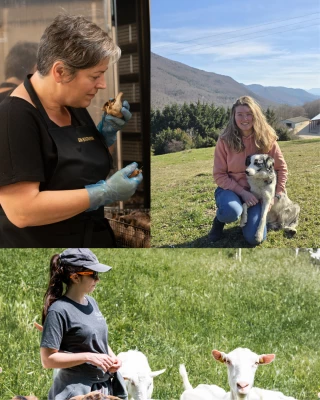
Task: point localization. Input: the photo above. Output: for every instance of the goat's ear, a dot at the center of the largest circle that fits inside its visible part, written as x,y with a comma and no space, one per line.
248,161
38,326
218,355
132,378
266,358
269,162
126,377
153,374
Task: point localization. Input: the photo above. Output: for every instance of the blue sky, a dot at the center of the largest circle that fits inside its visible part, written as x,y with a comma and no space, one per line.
268,42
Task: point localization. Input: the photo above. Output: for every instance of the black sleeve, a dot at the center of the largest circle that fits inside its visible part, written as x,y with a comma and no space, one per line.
20,147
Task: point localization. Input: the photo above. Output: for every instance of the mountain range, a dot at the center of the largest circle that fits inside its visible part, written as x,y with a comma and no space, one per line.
283,95
175,82
315,91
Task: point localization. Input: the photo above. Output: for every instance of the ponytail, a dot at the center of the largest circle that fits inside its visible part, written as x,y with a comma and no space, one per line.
59,275
55,288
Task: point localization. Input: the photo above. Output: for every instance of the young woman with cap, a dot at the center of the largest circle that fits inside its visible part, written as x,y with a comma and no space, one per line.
54,162
75,334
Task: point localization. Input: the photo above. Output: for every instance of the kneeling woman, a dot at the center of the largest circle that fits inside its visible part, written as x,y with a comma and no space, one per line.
247,133
75,334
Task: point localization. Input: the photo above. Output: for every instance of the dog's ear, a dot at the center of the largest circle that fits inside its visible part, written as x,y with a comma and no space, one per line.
248,161
269,162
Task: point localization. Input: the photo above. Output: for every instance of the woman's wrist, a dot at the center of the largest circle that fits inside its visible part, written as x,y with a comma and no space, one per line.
87,357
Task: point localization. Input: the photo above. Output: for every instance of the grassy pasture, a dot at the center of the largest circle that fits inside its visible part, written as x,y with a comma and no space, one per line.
183,204
176,306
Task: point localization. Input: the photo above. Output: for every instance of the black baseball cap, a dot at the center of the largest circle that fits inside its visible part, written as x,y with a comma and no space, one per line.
82,258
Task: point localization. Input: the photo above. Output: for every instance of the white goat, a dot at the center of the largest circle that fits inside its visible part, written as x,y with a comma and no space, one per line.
137,374
242,365
315,255
201,392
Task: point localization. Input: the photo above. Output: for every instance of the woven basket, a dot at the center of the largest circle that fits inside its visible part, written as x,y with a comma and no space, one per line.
127,235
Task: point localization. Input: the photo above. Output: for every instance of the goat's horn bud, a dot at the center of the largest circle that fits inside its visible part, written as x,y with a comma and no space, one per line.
113,107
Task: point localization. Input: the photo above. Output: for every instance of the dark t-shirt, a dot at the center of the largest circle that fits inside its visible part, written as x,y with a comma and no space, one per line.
27,151
76,328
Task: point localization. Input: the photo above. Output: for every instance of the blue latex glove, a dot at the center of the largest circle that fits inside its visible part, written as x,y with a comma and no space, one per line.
110,125
118,187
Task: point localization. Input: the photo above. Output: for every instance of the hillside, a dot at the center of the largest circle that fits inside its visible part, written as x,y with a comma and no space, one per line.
315,91
174,82
283,95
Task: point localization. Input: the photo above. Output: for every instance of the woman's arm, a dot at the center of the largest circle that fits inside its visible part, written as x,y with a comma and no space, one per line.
52,358
25,206
280,167
220,170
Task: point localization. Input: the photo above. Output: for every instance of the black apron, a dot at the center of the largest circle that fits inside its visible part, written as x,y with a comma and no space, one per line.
82,159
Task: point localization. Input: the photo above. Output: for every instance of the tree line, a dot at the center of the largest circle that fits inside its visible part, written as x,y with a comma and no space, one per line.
195,125
180,127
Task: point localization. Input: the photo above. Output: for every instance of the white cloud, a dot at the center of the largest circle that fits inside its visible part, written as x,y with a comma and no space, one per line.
286,59
288,70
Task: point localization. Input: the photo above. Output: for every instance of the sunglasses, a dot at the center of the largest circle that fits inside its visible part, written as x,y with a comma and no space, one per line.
94,274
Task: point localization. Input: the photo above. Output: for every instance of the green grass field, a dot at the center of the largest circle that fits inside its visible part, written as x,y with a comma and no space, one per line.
176,306
183,206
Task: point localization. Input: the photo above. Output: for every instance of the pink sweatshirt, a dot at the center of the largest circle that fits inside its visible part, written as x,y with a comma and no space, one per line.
229,166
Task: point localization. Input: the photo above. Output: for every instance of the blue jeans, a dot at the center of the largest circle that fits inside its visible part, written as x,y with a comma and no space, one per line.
230,208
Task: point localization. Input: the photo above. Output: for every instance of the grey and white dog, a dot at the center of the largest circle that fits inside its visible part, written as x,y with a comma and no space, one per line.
262,180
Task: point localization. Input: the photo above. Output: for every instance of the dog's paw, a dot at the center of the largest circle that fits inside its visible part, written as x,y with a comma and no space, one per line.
259,237
243,219
290,231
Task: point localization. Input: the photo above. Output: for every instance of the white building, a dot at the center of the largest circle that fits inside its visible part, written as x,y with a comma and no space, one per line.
294,123
314,124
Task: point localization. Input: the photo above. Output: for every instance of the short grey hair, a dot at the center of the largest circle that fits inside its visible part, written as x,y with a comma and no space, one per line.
75,41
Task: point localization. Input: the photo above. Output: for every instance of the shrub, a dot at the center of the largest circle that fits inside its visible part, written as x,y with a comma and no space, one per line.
200,142
172,140
284,134
173,146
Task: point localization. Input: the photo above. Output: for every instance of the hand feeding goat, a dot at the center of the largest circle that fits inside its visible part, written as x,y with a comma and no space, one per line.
135,370
96,395
262,180
242,365
137,374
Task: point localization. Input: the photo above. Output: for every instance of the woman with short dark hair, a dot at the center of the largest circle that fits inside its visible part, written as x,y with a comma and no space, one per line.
54,162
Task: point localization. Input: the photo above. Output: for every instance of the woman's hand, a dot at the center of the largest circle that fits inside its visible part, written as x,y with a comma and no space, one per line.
110,125
249,198
116,364
103,361
118,187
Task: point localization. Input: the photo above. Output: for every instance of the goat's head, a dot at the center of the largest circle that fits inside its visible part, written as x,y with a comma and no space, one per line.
140,386
242,365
